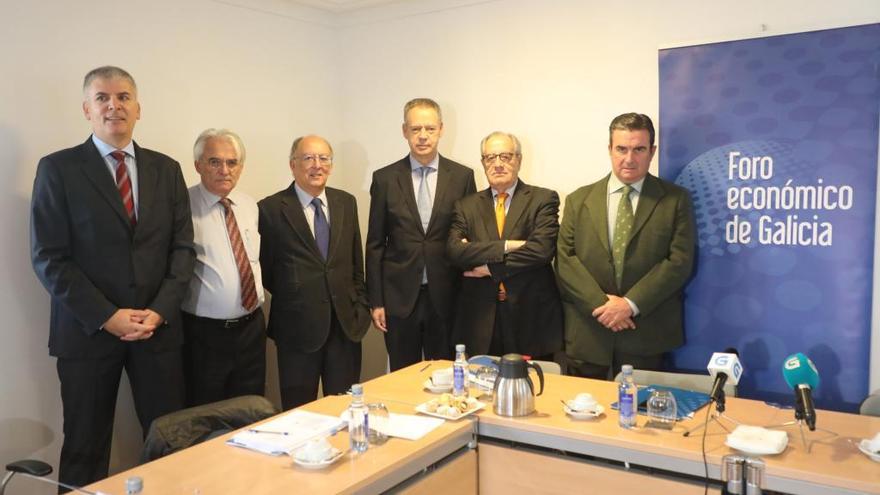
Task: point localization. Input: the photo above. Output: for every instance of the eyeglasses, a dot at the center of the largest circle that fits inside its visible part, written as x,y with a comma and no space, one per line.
504,157
429,129
216,163
312,159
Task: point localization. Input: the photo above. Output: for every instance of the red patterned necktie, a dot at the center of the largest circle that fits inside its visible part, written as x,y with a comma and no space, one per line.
123,183
245,274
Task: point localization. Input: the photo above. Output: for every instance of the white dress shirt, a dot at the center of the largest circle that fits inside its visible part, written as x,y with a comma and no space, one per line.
215,288
305,199
615,194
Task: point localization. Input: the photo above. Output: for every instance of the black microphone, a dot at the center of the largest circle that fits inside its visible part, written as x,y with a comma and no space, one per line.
724,367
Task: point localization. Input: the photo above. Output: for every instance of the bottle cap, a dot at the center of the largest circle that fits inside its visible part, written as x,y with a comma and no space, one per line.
134,484
626,368
459,347
357,389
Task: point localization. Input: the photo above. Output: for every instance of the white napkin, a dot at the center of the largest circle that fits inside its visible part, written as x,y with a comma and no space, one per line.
757,440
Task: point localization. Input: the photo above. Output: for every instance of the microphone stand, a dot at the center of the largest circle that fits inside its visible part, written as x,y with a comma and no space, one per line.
717,416
800,415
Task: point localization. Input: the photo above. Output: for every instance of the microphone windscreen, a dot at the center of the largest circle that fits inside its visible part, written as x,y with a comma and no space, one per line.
799,370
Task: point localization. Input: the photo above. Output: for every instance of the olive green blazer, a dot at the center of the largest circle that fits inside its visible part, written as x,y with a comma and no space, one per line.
659,261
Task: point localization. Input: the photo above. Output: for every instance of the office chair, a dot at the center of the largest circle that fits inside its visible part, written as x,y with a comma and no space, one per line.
871,405
187,427
31,467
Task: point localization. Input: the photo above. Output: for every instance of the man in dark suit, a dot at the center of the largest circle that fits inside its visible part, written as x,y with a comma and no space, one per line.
111,240
412,286
505,239
622,285
312,264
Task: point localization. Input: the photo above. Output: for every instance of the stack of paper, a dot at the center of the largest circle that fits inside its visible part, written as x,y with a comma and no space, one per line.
284,434
407,426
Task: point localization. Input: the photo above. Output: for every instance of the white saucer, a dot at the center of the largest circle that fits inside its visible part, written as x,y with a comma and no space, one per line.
439,389
335,454
595,413
863,446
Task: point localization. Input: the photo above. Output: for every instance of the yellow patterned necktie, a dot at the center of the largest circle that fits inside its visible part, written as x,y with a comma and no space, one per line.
622,230
499,219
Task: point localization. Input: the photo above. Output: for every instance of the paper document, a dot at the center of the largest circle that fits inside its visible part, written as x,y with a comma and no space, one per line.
407,426
286,433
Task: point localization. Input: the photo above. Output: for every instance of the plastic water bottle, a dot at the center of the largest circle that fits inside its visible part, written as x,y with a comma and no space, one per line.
460,372
626,398
358,422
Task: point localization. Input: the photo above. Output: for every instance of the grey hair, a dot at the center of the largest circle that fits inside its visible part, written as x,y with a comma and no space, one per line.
298,140
212,133
517,146
423,103
107,72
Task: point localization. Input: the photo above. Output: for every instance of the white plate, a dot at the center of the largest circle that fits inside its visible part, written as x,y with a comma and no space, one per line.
595,413
863,446
474,406
756,450
439,389
335,454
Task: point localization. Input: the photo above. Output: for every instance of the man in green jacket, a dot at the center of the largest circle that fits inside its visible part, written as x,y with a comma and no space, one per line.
625,251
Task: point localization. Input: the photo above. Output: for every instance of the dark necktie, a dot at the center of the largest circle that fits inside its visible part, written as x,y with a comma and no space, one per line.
123,184
622,230
322,229
245,274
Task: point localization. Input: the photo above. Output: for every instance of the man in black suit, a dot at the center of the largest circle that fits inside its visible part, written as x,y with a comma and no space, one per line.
412,285
505,239
111,240
312,264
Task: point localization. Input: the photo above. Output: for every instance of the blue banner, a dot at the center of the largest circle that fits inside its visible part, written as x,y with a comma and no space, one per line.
777,140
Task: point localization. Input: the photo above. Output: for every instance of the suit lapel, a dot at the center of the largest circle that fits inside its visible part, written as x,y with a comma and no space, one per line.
404,181
522,195
444,176
648,199
95,169
487,215
597,205
147,177
337,217
293,211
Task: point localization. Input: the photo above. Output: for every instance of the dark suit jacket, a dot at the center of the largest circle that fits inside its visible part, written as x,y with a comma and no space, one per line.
305,288
659,260
397,246
93,262
527,273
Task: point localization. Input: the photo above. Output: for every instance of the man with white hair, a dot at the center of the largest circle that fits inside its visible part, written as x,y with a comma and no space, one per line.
224,326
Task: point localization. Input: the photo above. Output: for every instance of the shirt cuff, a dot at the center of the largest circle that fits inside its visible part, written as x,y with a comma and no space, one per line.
632,306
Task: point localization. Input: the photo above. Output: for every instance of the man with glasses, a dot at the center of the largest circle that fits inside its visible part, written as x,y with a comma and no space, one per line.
412,286
505,238
626,250
312,264
223,323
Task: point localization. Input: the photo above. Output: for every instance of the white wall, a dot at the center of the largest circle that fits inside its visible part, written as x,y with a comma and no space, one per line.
553,72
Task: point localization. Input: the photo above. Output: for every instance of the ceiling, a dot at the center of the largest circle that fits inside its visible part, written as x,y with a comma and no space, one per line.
340,6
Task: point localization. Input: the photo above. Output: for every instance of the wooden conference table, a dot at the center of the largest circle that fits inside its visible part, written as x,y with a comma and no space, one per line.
546,452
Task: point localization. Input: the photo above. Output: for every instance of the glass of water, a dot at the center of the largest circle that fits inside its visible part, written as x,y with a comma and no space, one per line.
662,410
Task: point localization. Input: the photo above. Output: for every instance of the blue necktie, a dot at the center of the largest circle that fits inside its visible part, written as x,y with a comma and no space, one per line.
424,200
322,229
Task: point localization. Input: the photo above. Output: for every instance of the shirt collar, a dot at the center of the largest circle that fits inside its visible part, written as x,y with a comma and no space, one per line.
305,198
509,190
105,149
210,199
614,184
415,165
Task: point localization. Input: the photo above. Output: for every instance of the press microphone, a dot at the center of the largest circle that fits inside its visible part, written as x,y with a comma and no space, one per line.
724,367
801,376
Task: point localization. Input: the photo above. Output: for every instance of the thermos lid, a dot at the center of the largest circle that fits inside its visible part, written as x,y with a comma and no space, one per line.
513,366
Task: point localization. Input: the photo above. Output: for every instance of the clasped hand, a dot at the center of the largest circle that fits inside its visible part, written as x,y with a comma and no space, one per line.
133,324
615,314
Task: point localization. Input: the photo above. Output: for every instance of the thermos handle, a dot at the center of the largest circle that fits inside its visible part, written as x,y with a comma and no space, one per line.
540,375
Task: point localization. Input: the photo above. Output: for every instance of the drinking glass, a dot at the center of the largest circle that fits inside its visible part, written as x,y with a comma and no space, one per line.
662,410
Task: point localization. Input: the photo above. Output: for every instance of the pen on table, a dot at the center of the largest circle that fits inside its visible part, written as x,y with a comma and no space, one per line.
255,430
426,367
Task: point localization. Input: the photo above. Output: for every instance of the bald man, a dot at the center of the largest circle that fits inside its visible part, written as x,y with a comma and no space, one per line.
312,263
